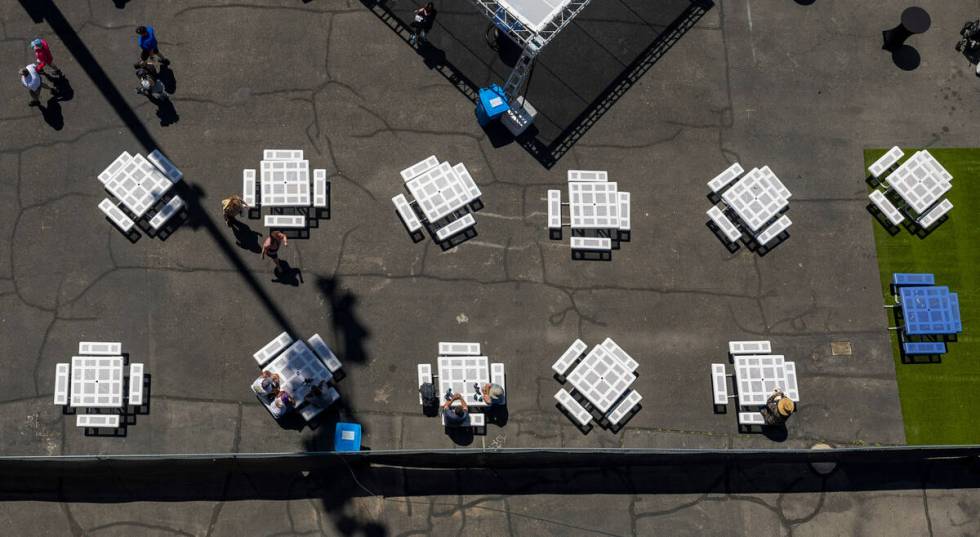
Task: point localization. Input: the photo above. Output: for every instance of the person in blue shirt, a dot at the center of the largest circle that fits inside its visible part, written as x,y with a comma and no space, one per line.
148,45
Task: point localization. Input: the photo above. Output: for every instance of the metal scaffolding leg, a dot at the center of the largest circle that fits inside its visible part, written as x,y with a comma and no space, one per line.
515,82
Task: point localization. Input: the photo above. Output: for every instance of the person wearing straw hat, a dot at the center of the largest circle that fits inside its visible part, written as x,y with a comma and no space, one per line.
778,408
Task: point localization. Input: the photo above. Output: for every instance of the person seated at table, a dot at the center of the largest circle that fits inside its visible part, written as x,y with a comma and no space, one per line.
493,394
267,385
317,393
455,415
778,408
281,404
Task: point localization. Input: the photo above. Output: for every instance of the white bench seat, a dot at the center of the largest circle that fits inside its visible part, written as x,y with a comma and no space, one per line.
167,212
425,376
933,215
719,384
725,178
749,419
116,215
285,221
624,211
588,175
458,348
620,354
135,384
598,244
100,348
61,375
164,165
472,420
419,168
406,213
497,375
578,412
791,389
326,355
554,209
624,407
282,154
736,348
248,188
472,191
110,421
569,357
890,211
726,226
272,349
774,230
455,227
883,164
320,188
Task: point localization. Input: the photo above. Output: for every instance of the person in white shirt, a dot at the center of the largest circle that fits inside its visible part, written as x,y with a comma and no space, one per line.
32,81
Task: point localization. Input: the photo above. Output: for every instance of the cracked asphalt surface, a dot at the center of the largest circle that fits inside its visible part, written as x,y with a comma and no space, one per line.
801,88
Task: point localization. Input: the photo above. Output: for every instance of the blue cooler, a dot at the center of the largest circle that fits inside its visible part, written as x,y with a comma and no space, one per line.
347,437
491,104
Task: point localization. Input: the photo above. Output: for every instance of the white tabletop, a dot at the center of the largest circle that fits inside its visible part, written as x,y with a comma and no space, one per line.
593,204
137,183
757,197
601,377
920,181
459,373
97,381
295,366
439,191
535,14
757,376
285,183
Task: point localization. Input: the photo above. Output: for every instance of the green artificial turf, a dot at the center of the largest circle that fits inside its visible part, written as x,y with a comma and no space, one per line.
941,401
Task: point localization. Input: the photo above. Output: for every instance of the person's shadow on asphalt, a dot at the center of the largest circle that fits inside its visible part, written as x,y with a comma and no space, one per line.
288,275
165,111
246,238
51,112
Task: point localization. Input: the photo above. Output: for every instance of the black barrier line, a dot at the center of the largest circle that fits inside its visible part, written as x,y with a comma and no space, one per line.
46,10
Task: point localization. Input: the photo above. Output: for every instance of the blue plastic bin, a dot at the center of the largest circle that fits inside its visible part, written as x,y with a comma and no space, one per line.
347,437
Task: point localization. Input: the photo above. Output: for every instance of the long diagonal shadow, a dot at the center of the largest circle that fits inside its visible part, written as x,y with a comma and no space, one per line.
47,11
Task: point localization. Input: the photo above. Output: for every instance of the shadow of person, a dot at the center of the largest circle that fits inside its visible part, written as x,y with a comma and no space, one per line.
497,415
63,89
51,112
166,111
166,76
775,433
245,238
120,4
288,275
461,436
432,57
906,58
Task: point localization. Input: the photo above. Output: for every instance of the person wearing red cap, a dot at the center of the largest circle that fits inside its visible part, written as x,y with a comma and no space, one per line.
43,57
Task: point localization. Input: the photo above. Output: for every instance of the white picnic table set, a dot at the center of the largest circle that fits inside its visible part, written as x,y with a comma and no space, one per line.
602,378
140,184
285,182
445,196
757,374
300,366
920,184
752,204
96,379
461,368
599,213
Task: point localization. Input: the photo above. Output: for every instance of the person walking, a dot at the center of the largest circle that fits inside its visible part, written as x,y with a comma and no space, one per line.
32,81
271,245
148,45
422,22
150,84
43,58
231,207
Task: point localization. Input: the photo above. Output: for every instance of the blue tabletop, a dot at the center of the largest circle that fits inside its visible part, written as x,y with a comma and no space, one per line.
493,100
930,310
